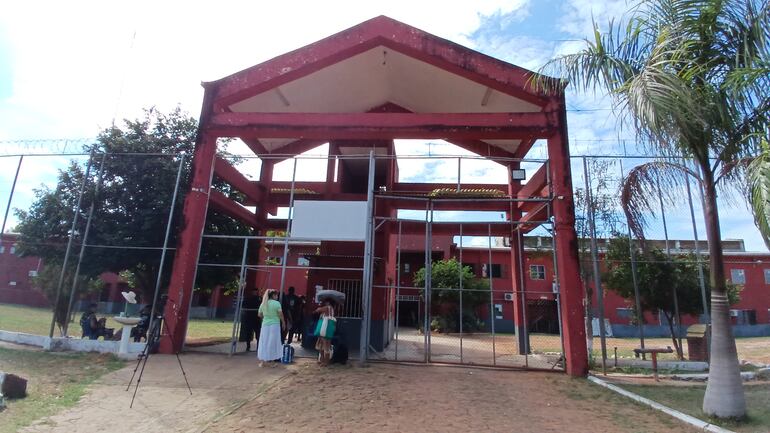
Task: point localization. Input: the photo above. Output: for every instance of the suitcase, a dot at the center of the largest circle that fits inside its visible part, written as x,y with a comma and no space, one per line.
288,354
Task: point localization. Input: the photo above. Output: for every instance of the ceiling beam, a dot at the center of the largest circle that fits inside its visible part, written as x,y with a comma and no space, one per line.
535,184
225,171
533,219
221,203
255,145
327,126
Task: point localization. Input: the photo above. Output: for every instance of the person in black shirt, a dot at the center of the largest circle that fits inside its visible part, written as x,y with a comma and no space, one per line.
250,321
292,307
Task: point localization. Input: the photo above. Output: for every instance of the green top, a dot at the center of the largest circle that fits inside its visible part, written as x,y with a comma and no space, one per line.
270,312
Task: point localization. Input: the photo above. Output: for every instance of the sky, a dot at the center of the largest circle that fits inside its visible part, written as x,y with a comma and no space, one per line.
70,69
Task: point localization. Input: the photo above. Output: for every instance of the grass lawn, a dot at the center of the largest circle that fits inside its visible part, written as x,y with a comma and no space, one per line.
688,399
55,381
38,321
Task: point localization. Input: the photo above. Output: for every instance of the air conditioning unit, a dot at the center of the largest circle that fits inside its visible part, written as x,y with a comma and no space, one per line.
733,313
508,296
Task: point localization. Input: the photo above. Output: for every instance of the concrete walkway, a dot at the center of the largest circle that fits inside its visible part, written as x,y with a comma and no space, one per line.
163,402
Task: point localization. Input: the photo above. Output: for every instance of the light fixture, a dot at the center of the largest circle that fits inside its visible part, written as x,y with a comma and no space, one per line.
518,174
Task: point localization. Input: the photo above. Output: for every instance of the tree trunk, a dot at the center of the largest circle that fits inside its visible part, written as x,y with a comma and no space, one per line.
670,320
724,391
589,314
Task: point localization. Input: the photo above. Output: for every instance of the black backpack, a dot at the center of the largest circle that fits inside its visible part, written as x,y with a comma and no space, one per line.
339,354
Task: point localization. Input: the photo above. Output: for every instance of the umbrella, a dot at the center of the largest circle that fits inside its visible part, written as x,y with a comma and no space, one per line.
330,294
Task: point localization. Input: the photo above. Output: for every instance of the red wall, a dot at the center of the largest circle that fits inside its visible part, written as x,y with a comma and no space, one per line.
15,269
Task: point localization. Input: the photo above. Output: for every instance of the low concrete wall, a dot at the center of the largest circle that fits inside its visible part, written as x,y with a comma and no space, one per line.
58,344
661,331
662,365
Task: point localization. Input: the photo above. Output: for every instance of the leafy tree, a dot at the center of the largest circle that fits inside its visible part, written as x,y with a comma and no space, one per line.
601,202
691,77
139,164
658,277
446,274
47,281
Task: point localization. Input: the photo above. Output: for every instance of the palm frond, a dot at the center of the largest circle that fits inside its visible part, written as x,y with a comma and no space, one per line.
640,188
759,184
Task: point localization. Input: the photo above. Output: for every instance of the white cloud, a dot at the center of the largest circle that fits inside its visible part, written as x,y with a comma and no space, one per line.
80,64
579,15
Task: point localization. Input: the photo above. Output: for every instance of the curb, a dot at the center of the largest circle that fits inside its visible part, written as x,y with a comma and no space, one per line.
695,422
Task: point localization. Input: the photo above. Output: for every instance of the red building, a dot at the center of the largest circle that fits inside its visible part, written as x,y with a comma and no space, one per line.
751,270
16,281
16,275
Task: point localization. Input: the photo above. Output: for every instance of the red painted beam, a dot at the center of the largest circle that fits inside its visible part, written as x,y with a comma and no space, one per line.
568,264
482,148
295,148
221,203
180,287
225,171
418,228
535,184
409,187
255,145
382,125
534,218
523,149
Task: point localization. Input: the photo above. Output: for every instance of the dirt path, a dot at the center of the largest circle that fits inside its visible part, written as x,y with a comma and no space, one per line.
163,403
392,398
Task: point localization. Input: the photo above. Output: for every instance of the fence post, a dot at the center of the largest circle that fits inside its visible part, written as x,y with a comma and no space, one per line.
595,262
69,242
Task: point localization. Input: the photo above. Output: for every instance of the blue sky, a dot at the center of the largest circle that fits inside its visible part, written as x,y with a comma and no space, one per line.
69,72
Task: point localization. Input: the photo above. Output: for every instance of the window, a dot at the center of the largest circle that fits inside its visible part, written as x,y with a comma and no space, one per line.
2,249
33,273
738,276
625,313
407,268
303,261
497,270
767,276
13,249
537,272
12,283
498,311
274,260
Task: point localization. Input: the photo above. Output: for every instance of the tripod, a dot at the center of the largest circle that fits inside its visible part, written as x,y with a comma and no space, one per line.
153,337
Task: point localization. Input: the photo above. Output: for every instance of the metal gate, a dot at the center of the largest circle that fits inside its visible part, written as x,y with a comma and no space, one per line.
474,325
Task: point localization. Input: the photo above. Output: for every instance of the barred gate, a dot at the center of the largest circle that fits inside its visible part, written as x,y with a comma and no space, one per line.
460,325
352,290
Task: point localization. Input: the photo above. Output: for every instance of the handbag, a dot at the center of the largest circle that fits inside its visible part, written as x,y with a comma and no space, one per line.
326,326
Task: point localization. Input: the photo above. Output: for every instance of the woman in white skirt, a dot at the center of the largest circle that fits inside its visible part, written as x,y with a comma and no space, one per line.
270,347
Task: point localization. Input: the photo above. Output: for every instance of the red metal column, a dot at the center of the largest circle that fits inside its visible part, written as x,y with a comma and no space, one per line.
563,209
186,258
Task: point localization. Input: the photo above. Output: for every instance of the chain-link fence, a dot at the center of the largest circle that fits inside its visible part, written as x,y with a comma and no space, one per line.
102,214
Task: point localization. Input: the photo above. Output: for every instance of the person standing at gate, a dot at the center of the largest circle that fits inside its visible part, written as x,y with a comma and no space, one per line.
269,347
291,305
250,321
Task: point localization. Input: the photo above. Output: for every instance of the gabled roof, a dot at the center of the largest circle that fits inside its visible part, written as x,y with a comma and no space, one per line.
380,62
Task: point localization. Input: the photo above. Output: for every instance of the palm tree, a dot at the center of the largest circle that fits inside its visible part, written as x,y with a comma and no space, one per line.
690,77
759,189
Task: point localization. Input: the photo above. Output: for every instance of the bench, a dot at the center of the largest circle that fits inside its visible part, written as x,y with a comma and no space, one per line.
654,352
